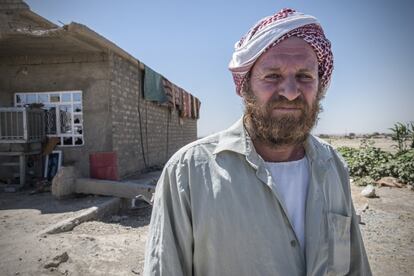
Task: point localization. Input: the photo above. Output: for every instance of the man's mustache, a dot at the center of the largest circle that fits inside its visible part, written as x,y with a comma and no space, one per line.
285,103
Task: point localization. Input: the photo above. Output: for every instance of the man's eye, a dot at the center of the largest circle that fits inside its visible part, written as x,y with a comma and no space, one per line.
273,77
305,77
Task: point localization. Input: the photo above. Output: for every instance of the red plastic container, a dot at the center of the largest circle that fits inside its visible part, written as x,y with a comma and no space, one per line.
104,165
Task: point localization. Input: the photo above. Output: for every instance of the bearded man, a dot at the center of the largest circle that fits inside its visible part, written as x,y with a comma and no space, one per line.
263,197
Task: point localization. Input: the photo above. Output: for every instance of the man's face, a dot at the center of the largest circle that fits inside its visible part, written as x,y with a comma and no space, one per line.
281,94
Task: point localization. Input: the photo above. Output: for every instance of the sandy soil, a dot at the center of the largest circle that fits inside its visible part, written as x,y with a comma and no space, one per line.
388,232
116,245
385,144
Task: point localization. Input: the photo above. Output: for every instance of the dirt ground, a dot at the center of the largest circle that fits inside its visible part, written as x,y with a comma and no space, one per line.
115,246
388,232
386,144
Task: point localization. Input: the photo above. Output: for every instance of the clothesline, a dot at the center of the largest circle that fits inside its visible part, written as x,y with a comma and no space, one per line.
159,89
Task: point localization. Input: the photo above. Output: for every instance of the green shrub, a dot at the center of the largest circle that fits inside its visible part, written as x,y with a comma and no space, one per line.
369,163
403,134
404,166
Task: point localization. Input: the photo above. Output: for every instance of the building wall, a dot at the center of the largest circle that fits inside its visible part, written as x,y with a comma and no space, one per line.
141,129
12,18
88,73
112,105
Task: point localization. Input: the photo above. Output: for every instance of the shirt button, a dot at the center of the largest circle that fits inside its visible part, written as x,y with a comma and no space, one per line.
293,243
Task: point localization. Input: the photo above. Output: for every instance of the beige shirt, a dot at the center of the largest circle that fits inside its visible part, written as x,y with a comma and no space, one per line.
216,213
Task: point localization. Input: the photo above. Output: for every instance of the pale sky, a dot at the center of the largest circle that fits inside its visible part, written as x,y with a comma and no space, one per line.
191,42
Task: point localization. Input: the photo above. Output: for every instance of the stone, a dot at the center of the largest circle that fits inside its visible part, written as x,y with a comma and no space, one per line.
368,191
63,184
57,260
390,182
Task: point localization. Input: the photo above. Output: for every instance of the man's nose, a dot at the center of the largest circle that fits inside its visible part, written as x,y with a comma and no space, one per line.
289,88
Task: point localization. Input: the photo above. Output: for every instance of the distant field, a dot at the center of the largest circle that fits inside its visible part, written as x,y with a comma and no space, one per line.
384,143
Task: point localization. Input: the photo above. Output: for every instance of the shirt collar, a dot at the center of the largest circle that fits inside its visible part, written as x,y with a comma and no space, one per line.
317,150
233,139
237,139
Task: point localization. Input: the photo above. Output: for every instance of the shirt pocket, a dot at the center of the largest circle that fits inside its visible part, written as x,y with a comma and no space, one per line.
339,227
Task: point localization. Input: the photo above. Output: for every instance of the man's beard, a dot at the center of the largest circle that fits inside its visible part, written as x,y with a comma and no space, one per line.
282,129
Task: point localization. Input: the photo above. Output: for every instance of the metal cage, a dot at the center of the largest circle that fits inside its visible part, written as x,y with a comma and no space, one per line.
21,125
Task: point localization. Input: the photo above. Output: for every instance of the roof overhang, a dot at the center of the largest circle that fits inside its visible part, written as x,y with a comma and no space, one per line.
70,39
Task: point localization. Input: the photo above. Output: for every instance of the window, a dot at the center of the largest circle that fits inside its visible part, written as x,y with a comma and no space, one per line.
64,114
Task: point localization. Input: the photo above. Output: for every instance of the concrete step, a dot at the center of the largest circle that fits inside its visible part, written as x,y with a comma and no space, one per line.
10,188
10,164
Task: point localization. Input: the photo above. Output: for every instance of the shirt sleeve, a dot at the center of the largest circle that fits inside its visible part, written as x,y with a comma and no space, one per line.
170,240
359,264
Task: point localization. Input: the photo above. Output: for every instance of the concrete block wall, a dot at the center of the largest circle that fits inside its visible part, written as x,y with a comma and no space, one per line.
142,129
86,72
124,87
112,103
12,17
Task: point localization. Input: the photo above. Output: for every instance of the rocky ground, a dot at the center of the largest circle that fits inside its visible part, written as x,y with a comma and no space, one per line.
388,229
115,246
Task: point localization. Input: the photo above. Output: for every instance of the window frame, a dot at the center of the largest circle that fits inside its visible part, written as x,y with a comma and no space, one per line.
58,104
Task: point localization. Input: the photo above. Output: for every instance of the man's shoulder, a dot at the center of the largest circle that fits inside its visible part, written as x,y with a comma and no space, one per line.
201,149
326,149
204,149
321,143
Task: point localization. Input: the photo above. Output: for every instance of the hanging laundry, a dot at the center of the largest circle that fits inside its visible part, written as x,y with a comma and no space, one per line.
153,86
170,93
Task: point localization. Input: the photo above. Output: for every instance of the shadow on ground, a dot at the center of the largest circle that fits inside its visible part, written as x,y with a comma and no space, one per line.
46,203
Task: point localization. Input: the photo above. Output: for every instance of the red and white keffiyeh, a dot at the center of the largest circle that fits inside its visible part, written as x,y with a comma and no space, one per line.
271,30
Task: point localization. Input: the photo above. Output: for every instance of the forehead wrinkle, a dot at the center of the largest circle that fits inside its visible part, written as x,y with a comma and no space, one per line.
300,64
293,53
280,61
290,56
